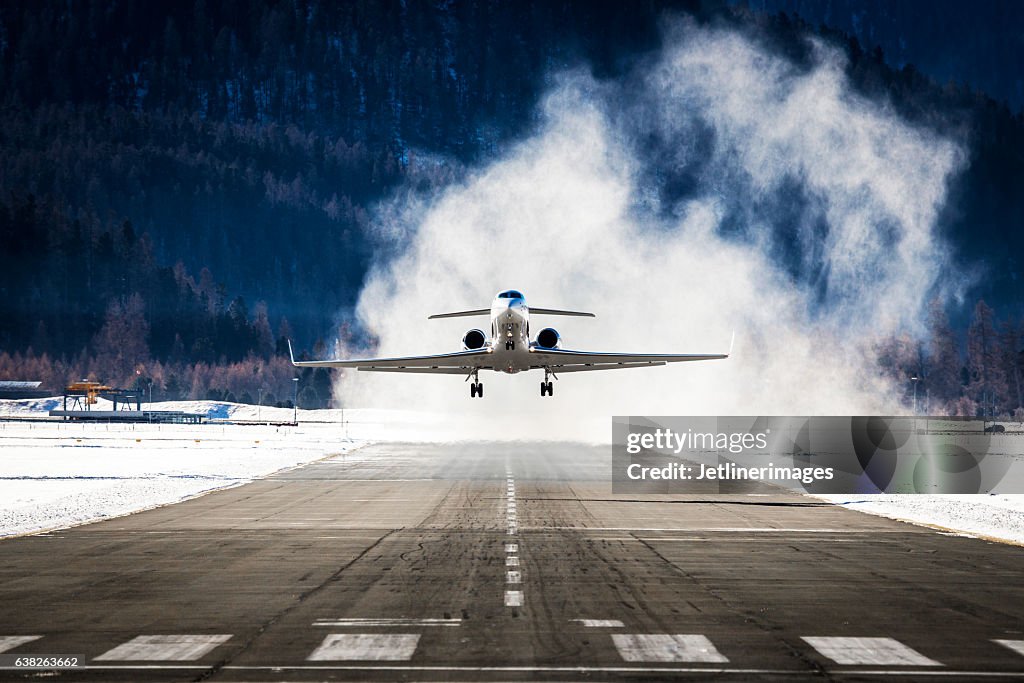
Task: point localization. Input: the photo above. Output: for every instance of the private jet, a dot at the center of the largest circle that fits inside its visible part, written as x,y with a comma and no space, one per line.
509,350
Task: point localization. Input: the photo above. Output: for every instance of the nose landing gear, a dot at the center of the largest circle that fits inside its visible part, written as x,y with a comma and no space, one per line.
510,345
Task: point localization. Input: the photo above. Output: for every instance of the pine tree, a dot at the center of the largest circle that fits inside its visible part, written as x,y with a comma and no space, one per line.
987,381
943,370
1012,361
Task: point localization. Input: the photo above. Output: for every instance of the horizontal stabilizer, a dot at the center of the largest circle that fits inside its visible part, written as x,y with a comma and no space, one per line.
555,311
461,314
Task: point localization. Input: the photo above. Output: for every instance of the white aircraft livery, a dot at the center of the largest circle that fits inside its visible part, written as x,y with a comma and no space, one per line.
509,350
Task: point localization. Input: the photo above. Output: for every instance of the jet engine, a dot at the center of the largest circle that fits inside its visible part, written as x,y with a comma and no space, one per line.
474,339
548,338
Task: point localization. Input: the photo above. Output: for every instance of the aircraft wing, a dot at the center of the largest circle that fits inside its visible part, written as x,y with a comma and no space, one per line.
558,311
458,363
460,314
560,360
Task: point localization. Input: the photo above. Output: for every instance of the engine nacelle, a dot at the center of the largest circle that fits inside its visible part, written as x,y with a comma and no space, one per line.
474,339
548,338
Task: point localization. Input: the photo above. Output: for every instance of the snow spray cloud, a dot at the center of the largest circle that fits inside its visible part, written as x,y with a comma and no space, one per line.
727,188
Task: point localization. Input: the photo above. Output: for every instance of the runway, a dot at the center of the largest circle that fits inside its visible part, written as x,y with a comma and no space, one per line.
507,561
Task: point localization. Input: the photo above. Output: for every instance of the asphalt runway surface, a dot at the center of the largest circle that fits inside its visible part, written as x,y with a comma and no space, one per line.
507,561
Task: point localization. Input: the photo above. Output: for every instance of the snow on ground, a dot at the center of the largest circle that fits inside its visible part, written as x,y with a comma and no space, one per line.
988,516
58,474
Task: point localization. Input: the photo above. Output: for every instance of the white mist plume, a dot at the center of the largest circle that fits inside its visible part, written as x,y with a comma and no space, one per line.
567,219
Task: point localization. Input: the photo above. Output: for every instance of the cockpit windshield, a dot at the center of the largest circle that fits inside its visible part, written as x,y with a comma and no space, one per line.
510,294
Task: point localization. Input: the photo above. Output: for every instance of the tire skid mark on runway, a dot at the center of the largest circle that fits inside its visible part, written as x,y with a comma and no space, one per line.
792,648
299,600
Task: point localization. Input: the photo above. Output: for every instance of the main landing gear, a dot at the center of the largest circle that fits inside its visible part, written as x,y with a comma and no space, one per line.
476,389
547,388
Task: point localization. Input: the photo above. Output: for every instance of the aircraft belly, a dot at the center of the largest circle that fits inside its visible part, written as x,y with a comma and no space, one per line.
511,342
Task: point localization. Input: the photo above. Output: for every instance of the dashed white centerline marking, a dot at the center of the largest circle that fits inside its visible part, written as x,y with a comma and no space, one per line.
1015,645
868,651
376,647
666,648
599,623
512,576
164,648
11,642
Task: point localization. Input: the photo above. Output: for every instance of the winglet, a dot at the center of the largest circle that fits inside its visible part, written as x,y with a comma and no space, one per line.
291,354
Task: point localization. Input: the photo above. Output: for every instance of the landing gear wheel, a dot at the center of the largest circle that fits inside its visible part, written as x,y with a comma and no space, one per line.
547,389
476,389
510,346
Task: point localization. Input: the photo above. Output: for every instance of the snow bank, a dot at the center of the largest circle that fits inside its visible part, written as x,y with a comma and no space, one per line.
998,517
57,474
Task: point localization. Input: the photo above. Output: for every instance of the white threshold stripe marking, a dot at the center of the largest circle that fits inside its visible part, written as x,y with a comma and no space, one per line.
375,647
513,577
885,651
1015,645
599,623
513,598
185,648
388,622
659,647
511,561
11,642
511,548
